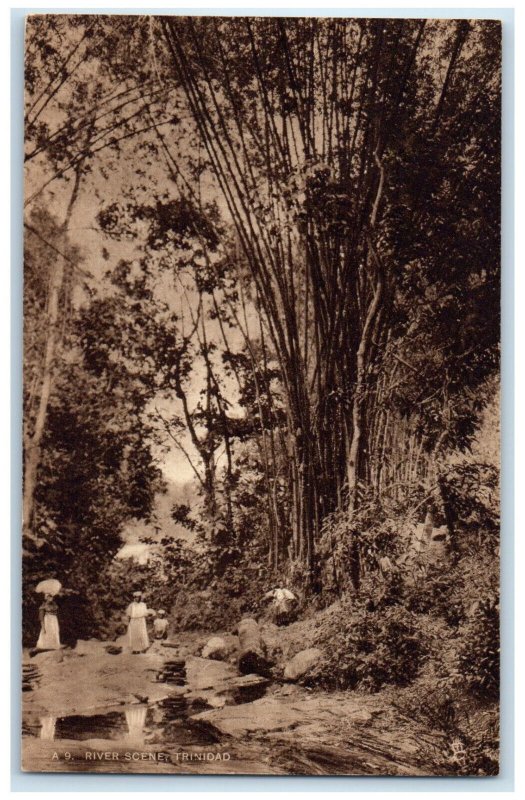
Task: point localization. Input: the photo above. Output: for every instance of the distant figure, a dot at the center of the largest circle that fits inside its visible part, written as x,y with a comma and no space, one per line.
137,612
284,605
49,638
160,625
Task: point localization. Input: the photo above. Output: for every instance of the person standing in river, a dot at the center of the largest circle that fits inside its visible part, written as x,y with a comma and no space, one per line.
137,611
49,638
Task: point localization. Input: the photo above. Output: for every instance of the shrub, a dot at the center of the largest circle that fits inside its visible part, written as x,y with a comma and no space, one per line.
223,603
369,649
435,595
482,745
479,651
353,544
472,491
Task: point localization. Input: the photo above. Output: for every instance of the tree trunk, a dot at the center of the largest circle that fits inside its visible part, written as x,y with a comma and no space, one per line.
354,450
34,442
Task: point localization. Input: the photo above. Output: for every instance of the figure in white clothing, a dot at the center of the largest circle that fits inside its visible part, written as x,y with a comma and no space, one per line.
284,605
137,612
160,625
49,638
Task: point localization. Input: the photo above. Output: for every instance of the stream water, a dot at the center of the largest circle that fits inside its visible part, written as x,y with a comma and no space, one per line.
137,725
166,721
167,733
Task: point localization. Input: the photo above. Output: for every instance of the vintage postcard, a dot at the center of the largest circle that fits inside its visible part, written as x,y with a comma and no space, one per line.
261,395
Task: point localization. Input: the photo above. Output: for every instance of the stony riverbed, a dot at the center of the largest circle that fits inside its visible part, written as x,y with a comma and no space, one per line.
171,711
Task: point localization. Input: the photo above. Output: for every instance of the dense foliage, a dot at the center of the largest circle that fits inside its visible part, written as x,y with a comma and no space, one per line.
291,283
96,469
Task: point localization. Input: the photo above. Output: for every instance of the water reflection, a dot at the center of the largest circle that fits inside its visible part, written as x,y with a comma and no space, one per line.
47,728
136,718
166,721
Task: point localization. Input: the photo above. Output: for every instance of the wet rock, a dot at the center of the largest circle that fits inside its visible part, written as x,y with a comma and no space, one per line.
244,689
174,672
170,644
217,687
302,663
286,691
30,676
217,701
265,715
248,681
216,649
252,651
199,702
299,716
203,673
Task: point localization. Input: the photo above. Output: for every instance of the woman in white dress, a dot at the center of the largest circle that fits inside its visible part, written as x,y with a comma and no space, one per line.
137,612
49,638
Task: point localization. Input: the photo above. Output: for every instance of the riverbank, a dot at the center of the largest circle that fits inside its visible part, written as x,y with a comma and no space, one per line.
90,710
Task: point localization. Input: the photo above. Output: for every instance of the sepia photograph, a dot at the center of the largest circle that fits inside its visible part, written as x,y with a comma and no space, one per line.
261,402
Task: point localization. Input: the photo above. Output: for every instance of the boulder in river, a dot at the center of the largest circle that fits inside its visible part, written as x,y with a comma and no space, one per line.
302,663
217,701
252,650
203,673
216,649
113,650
